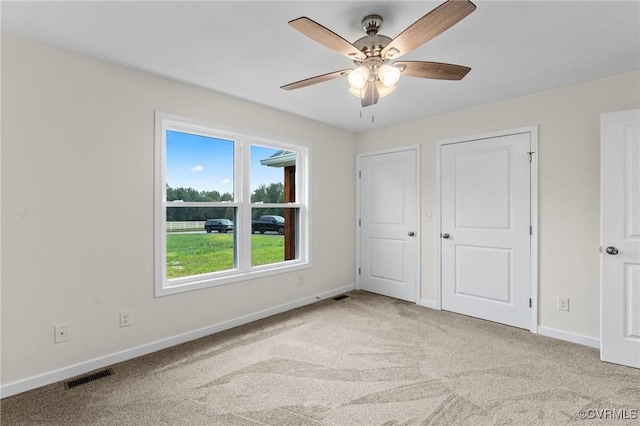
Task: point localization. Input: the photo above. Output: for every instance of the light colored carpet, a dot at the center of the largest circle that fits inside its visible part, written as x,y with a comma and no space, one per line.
363,360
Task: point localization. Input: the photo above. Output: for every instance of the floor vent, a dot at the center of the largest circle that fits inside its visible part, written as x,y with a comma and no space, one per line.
342,296
88,378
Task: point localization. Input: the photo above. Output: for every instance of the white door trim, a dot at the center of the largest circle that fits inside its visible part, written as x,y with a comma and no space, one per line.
359,156
533,131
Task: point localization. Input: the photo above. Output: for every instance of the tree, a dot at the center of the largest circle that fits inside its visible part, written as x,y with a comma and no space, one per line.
274,193
180,214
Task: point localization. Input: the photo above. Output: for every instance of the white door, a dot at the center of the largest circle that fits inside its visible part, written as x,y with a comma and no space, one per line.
620,239
388,224
485,223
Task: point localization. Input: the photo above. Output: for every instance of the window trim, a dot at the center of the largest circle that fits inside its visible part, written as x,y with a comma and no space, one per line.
243,140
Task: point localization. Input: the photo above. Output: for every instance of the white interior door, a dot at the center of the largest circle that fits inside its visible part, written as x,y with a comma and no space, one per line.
486,228
388,224
620,239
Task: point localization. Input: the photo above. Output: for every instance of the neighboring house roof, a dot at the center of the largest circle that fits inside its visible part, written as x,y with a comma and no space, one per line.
280,159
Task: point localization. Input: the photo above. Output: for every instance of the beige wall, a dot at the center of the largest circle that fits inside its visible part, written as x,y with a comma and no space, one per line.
569,184
77,219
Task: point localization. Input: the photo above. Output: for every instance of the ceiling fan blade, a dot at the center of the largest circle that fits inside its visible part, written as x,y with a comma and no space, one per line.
370,95
434,70
315,80
428,27
326,37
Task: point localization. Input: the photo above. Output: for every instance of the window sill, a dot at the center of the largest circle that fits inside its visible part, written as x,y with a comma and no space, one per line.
198,283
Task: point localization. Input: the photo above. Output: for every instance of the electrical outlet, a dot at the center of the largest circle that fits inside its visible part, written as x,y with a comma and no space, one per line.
563,303
300,280
60,333
125,319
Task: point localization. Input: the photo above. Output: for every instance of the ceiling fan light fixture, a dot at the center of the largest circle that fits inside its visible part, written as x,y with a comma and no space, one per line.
355,92
388,75
358,77
383,90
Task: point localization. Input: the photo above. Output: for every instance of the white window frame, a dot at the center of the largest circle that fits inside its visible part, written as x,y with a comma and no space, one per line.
242,202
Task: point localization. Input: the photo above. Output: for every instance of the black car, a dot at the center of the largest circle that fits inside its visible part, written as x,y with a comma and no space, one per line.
268,223
220,225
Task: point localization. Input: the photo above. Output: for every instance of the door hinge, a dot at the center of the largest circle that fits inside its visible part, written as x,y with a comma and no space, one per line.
530,303
359,222
359,173
531,156
530,229
359,271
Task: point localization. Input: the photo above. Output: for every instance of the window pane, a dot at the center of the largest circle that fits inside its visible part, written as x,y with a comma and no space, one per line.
274,235
200,240
198,168
272,175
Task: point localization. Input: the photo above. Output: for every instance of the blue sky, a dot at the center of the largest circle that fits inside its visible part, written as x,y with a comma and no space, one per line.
206,163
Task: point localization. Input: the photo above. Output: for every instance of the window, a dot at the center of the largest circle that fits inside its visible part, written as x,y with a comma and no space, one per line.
229,206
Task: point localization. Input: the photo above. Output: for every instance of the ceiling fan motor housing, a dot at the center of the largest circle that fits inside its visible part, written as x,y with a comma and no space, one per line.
373,43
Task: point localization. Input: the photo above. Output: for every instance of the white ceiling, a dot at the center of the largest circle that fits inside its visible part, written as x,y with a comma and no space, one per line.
247,50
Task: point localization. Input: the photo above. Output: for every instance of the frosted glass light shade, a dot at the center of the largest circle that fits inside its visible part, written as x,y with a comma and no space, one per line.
384,91
358,77
355,92
388,75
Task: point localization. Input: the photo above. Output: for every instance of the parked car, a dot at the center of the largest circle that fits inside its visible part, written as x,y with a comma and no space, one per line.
220,225
268,223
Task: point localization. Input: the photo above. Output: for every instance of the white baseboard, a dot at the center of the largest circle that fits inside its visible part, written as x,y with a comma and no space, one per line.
569,337
545,331
105,361
428,304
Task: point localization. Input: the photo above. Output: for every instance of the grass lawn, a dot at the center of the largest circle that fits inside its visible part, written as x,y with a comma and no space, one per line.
193,254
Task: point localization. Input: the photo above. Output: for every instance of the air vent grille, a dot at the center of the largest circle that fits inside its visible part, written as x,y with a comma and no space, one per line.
342,296
88,378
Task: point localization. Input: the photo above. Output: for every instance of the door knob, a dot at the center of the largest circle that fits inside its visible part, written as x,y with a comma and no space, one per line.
612,250
411,233
445,236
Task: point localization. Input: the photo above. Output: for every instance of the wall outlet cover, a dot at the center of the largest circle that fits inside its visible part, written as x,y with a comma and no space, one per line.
60,333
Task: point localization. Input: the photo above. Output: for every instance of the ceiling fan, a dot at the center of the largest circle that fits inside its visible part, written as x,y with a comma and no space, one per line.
373,77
